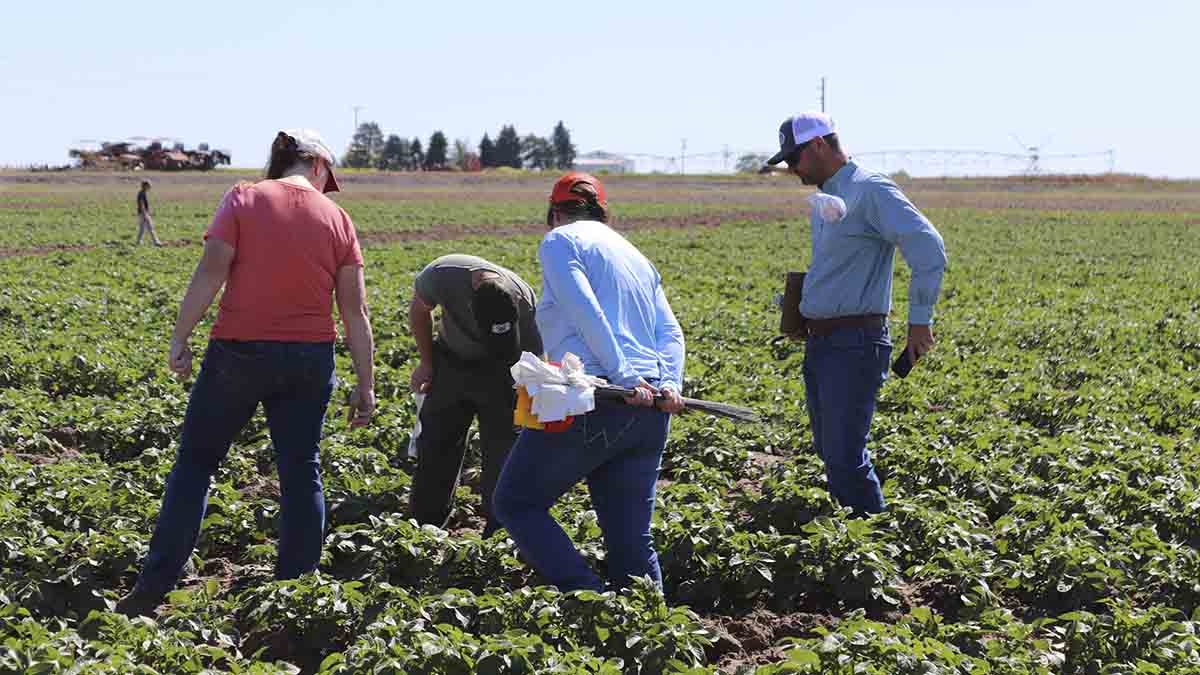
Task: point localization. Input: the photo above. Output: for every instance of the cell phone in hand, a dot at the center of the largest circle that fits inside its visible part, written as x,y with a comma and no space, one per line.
903,364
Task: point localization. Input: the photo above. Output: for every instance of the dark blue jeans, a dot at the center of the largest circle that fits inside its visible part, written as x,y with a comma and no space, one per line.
618,449
294,382
843,372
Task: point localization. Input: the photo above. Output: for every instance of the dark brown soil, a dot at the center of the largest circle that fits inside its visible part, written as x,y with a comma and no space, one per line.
75,248
261,488
753,639
64,455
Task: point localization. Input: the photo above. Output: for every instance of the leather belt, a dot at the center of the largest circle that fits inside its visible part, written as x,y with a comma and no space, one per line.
823,327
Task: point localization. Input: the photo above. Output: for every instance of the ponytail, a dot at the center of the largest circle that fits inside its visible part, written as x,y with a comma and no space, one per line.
284,155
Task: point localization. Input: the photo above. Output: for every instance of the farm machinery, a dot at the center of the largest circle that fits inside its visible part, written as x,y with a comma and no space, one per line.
137,154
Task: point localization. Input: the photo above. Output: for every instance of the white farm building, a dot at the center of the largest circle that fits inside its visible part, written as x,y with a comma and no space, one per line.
600,161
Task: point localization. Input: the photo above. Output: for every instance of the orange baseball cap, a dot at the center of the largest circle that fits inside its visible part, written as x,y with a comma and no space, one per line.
572,188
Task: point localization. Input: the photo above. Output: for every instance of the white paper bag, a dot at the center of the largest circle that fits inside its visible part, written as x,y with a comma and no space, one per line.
556,392
416,432
826,208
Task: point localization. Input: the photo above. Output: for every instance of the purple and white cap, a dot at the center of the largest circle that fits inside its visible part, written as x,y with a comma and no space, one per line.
798,130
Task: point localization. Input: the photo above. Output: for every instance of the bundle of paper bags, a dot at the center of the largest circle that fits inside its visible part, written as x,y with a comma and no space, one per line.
557,392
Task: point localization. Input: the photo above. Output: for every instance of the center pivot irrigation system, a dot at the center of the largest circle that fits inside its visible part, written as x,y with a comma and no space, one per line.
1030,160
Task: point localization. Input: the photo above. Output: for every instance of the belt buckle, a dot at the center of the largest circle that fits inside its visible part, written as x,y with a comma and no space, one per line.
815,328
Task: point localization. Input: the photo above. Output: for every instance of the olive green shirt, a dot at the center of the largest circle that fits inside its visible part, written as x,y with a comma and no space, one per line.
446,283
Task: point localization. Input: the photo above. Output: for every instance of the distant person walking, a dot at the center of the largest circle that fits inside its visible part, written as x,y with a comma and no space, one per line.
145,220
283,251
603,301
847,296
487,321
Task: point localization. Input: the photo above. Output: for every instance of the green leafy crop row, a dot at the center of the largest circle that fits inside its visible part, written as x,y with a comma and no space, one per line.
1040,468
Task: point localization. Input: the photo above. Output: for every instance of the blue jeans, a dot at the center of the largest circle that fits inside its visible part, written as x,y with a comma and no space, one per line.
294,382
618,449
843,372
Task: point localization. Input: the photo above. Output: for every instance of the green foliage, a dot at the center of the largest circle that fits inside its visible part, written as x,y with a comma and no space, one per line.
366,147
564,149
1044,507
487,152
435,157
395,154
530,630
508,147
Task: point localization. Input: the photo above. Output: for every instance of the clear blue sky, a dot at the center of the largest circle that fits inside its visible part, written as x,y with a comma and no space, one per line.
625,76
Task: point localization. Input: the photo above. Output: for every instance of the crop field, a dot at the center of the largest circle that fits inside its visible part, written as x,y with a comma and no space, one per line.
1042,466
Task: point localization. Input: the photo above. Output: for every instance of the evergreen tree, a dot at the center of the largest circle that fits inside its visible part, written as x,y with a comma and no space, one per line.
508,147
395,154
564,149
487,153
435,156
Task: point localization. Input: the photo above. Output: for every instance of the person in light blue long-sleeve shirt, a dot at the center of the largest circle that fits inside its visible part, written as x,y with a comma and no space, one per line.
603,301
853,258
848,295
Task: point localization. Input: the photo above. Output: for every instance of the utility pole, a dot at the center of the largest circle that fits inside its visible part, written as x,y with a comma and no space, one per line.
725,156
822,93
682,155
356,109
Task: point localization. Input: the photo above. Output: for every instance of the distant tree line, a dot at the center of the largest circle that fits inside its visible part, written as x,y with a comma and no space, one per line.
751,163
370,149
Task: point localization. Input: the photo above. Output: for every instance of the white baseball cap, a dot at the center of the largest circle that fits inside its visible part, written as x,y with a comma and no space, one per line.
800,129
308,140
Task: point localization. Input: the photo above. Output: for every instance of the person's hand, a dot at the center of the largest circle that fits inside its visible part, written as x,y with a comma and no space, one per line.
670,402
643,395
920,341
362,406
179,357
422,378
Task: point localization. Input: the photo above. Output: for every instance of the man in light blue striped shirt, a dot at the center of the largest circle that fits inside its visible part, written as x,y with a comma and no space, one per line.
848,294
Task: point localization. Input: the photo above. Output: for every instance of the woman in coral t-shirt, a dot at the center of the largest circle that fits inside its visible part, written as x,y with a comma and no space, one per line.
282,250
